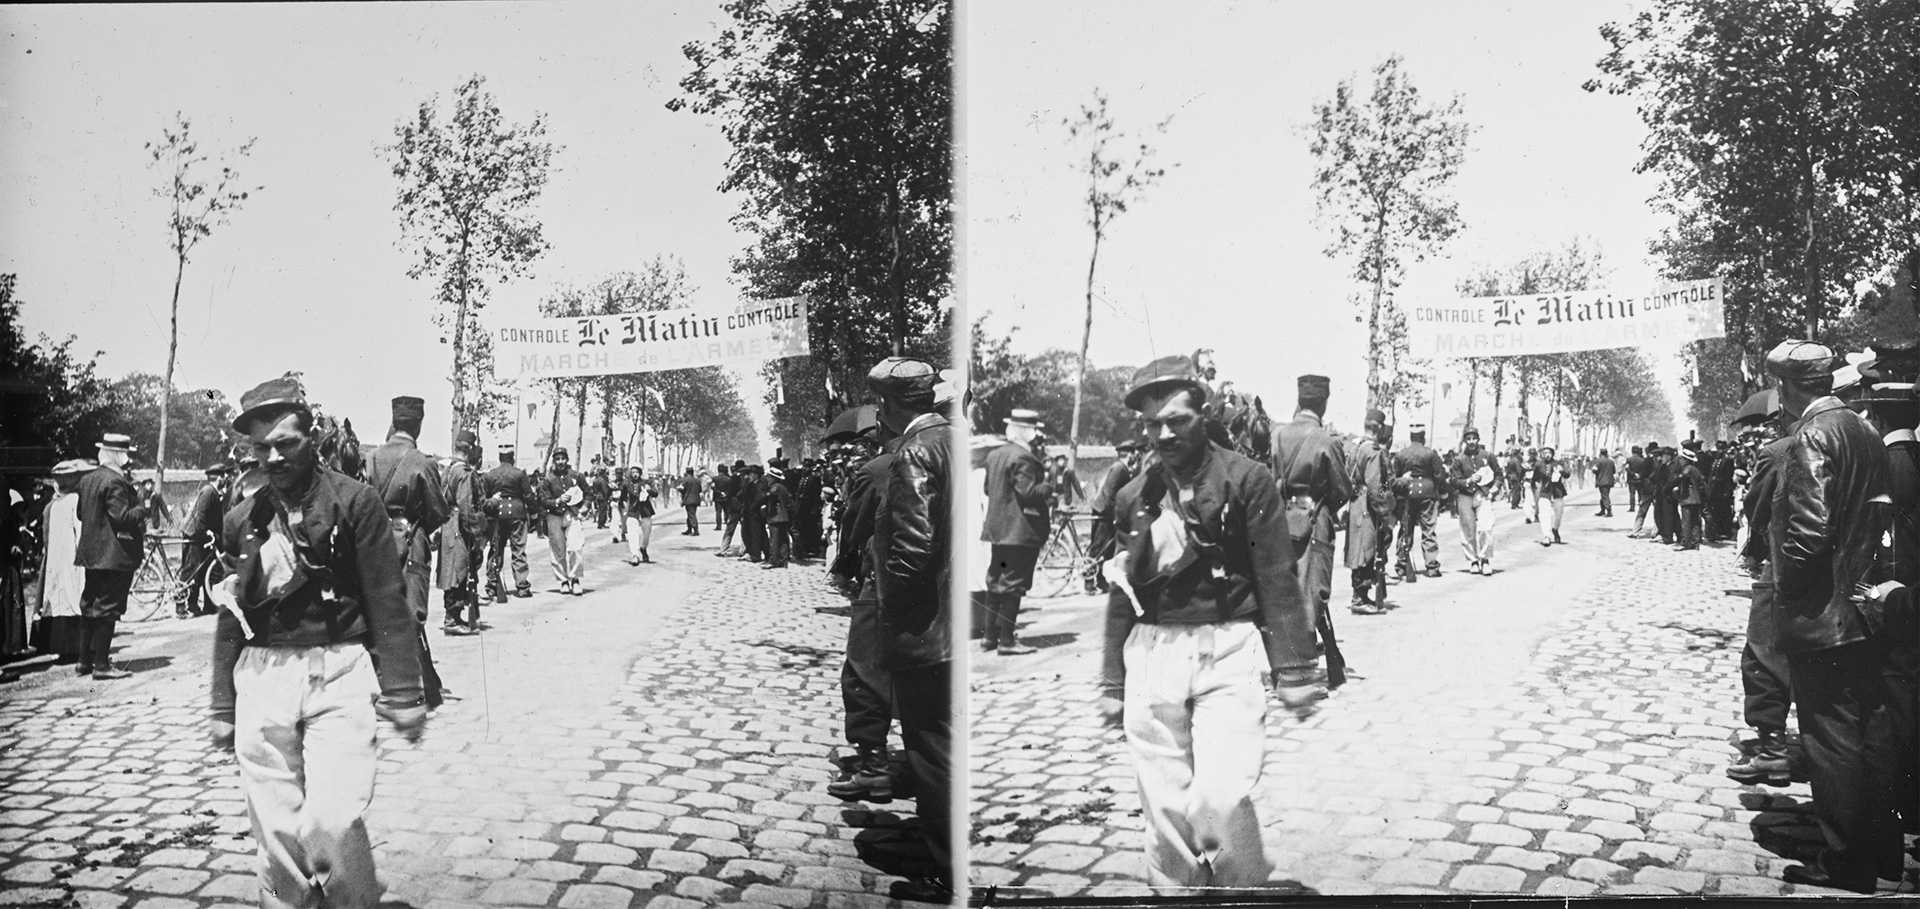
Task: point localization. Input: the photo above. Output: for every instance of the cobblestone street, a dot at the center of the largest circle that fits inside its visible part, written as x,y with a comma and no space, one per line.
663,741
1558,729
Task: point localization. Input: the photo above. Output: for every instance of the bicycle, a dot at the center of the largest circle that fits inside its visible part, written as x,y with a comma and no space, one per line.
158,590
1064,561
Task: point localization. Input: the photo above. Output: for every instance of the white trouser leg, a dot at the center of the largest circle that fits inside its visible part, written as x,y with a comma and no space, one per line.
1483,527
304,740
1196,724
634,542
1468,509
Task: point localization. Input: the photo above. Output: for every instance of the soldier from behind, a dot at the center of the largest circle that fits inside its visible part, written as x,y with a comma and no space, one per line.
509,493
1370,516
1312,473
113,525
315,639
1605,471
1417,474
463,537
409,485
690,489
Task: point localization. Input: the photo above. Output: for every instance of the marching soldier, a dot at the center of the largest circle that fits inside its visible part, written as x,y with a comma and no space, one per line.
462,539
1312,474
1417,472
1370,517
508,490
409,486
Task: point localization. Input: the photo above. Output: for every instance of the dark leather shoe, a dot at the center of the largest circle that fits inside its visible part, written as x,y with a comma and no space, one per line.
1810,876
922,890
524,593
1433,572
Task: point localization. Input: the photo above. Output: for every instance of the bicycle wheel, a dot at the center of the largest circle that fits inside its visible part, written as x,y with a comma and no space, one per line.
154,589
1059,564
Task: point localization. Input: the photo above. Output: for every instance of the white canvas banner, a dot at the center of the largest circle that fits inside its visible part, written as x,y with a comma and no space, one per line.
661,339
1575,320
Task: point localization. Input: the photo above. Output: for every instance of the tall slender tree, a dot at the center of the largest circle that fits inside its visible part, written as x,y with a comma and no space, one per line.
1382,166
467,186
1119,169
197,206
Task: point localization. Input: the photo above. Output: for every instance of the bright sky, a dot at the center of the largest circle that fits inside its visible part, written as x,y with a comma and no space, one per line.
308,275
1224,252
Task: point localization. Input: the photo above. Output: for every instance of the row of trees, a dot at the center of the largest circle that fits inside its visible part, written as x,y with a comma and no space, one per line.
1053,383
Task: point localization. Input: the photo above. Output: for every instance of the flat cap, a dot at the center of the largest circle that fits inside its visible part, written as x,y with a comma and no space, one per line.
1315,387
271,396
220,467
1162,376
407,408
902,377
1798,360
1130,445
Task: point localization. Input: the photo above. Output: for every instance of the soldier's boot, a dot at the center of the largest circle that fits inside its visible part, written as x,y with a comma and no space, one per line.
643,555
1407,574
1766,763
871,779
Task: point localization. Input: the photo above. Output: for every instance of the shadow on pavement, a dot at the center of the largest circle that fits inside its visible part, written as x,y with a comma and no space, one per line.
1042,641
147,664
1785,825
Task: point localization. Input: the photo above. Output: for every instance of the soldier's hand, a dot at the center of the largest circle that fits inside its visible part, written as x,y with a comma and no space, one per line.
1112,710
220,734
409,722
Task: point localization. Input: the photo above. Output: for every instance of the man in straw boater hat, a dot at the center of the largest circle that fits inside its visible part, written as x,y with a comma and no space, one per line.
1831,511
913,569
315,639
113,528
1205,614
1016,527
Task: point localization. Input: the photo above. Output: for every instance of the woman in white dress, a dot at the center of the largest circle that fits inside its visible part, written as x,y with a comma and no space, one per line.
60,579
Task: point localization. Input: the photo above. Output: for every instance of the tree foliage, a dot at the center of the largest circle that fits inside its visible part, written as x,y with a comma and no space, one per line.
1002,380
467,184
840,117
1382,166
1119,170
197,207
1783,132
52,397
201,420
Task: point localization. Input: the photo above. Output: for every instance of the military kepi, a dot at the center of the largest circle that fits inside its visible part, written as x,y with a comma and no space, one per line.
279,394
1160,377
1798,361
902,377
1315,388
409,409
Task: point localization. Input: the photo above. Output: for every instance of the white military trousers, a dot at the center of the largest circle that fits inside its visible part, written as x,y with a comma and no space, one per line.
304,738
1196,709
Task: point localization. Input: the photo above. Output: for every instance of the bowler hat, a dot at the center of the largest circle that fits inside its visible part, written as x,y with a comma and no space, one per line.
271,396
902,377
739,464
1798,361
409,409
1161,376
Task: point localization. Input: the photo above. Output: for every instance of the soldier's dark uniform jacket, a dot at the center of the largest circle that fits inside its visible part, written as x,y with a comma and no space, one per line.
1417,460
1238,567
345,586
510,489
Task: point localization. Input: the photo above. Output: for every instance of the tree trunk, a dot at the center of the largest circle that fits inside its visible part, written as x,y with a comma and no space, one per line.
553,437
460,342
166,382
1376,398
580,421
1473,386
1809,198
1086,337
1499,385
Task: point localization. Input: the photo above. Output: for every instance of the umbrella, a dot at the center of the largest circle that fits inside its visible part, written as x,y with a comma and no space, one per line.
851,423
1759,408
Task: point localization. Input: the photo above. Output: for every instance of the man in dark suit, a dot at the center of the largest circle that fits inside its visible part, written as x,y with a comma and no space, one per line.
201,527
1604,471
1125,466
1016,528
113,527
776,510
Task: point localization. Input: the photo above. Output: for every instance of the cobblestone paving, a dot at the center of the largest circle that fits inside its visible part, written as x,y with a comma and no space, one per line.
702,782
1596,771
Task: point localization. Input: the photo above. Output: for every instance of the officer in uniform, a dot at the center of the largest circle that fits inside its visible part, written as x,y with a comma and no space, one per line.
1417,472
1312,473
410,487
462,539
1370,517
508,491
1016,528
1100,546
